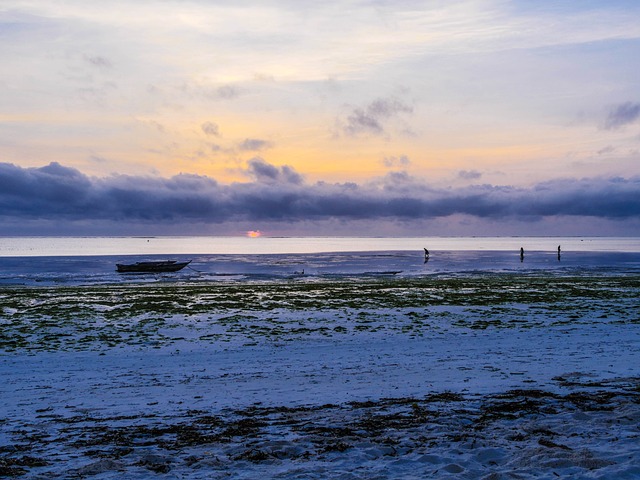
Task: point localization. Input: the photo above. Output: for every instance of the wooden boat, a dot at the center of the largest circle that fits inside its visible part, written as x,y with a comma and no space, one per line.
386,272
152,267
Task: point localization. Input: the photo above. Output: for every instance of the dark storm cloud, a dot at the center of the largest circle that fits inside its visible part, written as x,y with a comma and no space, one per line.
53,189
371,119
622,115
55,192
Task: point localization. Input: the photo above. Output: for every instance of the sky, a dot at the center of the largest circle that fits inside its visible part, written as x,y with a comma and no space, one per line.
369,117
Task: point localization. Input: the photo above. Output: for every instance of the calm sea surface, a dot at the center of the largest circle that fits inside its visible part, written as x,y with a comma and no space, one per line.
96,246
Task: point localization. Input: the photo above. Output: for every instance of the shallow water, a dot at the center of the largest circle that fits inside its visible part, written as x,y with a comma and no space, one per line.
75,270
89,260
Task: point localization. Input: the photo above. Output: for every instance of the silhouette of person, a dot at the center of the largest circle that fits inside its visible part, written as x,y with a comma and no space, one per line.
426,255
521,254
558,252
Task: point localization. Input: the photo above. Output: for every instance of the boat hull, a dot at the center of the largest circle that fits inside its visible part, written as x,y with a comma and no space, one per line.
151,267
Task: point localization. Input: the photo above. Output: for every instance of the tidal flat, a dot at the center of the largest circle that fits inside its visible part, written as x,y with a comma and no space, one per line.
487,375
105,316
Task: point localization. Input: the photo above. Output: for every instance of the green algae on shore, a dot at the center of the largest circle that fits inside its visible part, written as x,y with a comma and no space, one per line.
105,316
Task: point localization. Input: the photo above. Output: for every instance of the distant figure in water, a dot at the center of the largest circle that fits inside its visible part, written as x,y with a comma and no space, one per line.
426,255
521,254
558,252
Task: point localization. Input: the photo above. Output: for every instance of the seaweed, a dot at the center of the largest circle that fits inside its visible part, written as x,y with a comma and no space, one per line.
96,317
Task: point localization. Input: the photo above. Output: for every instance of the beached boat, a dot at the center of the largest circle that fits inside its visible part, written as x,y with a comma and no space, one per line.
152,267
386,272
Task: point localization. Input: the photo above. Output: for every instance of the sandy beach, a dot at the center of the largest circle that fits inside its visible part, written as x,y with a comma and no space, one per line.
522,374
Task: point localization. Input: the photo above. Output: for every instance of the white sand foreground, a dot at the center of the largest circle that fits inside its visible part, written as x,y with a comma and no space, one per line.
306,414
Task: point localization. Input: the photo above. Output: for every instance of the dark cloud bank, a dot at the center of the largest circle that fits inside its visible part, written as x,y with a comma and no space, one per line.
64,197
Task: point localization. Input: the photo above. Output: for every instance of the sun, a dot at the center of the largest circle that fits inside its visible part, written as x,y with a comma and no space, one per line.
254,233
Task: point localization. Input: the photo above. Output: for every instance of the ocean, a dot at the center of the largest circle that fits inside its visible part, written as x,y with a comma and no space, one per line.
88,260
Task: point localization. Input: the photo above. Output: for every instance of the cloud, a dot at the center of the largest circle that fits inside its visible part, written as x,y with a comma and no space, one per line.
227,92
264,172
605,150
393,161
63,194
469,174
50,190
209,92
254,144
98,61
210,129
622,115
371,120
